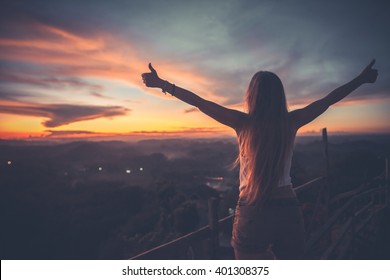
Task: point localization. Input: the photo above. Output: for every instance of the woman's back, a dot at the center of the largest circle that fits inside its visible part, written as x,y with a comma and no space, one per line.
265,138
284,178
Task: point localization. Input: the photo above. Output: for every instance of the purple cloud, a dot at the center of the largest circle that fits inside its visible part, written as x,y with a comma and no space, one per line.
62,114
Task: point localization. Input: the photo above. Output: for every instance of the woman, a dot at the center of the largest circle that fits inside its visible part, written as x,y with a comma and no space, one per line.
268,222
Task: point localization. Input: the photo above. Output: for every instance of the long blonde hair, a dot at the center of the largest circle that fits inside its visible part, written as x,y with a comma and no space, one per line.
265,138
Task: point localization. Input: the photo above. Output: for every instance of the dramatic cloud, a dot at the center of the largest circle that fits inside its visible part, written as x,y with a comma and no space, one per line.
93,52
48,82
62,114
62,53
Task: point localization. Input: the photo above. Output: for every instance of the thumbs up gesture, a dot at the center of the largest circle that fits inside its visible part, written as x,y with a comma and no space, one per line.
369,74
151,79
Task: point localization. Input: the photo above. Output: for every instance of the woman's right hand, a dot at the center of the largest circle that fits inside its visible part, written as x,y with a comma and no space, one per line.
369,74
151,79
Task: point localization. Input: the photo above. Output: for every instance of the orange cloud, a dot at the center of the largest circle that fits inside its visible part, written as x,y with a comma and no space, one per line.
102,55
70,52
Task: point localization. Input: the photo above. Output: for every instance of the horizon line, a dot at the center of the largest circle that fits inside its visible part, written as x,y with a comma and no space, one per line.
136,138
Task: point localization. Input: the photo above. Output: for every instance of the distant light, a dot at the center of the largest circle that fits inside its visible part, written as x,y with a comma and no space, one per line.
9,162
128,171
100,168
141,169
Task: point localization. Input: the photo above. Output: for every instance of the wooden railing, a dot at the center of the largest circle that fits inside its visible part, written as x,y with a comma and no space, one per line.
349,219
182,246
346,223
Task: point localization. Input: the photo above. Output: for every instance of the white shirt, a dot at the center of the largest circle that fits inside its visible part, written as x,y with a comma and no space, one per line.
284,180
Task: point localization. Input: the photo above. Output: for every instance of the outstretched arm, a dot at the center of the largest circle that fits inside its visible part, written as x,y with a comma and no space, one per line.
229,117
307,114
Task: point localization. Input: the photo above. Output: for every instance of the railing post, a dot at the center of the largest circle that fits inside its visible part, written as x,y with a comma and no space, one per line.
353,232
326,171
213,224
387,182
326,153
326,188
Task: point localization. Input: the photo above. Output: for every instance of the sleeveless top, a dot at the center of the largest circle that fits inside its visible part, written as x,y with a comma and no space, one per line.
284,180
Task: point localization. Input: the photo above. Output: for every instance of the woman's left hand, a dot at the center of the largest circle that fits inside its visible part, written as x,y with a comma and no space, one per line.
369,74
152,79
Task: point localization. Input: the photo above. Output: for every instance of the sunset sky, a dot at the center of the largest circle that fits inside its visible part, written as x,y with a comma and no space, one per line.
72,68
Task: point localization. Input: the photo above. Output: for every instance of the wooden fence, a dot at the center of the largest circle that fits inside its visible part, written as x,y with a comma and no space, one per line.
325,242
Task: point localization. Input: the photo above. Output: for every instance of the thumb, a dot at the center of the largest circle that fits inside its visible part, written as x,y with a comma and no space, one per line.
152,69
371,63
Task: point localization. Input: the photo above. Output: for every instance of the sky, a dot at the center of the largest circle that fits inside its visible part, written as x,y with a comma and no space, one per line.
72,69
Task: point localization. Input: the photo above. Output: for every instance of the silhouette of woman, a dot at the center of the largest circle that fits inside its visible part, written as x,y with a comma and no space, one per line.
268,222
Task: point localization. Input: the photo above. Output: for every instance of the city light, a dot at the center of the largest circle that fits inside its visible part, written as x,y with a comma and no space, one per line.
100,168
141,169
128,171
9,162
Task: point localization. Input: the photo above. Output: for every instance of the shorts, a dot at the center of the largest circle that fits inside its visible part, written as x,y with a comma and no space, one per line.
278,225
